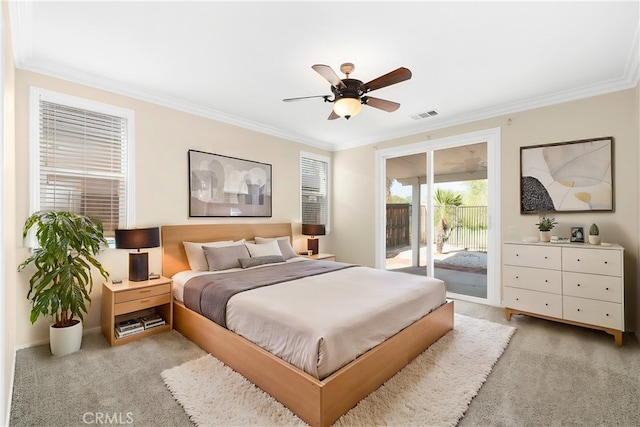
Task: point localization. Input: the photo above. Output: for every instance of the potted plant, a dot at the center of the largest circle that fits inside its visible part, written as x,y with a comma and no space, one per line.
545,225
62,283
594,234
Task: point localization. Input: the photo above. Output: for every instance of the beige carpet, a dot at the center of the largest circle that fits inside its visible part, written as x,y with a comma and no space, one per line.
433,390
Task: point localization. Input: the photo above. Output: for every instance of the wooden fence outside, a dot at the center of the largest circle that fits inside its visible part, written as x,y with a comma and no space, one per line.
470,226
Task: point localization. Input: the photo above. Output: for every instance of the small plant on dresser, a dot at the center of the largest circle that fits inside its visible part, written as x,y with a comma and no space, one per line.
545,225
594,234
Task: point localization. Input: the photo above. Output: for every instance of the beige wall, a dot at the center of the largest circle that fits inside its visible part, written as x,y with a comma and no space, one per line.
614,115
163,137
8,279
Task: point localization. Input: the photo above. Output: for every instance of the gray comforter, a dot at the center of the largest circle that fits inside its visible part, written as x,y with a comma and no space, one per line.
209,294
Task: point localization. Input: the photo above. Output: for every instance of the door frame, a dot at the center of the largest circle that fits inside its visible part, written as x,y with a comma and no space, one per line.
492,138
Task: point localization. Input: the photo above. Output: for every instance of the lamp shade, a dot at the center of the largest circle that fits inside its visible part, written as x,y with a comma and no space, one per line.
313,229
138,238
347,107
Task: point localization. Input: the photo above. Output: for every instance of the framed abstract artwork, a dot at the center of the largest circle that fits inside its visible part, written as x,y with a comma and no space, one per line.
221,186
574,176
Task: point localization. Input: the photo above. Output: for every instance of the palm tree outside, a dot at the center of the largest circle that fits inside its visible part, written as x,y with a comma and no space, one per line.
446,201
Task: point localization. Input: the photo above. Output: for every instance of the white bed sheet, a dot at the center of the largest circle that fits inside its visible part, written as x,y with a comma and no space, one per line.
321,323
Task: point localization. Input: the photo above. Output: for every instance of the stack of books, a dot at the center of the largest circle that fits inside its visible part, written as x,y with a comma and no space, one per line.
152,321
128,327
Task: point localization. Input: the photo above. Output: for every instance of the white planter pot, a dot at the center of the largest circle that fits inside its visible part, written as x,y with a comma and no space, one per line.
594,240
63,341
545,236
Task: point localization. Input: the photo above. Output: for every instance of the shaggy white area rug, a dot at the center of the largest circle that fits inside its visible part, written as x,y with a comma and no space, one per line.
435,389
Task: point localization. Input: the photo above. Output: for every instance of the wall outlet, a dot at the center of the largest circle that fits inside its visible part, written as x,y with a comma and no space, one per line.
512,230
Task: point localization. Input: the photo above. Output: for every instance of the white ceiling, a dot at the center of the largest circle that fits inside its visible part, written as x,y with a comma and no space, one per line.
236,61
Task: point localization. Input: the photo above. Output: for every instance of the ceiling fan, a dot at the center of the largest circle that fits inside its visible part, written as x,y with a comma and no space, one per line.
350,94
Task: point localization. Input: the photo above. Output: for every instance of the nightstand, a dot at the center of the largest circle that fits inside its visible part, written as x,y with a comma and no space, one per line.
130,300
326,257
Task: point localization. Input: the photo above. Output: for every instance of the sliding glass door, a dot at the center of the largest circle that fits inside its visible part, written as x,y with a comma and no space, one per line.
439,199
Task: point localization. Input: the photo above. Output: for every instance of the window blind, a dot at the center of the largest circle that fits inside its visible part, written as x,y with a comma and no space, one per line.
82,160
314,177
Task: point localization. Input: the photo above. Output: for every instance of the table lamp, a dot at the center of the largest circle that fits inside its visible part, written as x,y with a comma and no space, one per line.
138,238
313,230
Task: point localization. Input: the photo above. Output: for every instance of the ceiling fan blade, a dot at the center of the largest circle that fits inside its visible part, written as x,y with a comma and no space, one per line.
333,116
330,75
307,97
396,76
381,104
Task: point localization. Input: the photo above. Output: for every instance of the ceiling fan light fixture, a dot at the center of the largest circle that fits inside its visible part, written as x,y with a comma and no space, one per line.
347,107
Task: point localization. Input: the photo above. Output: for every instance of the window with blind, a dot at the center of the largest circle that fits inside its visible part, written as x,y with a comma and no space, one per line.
314,178
81,159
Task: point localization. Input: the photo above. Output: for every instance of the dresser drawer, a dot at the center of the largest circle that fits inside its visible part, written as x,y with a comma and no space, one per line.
141,304
532,301
536,279
605,288
145,292
595,261
533,256
600,313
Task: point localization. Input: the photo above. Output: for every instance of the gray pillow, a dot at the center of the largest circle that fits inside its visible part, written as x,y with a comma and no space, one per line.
260,260
224,258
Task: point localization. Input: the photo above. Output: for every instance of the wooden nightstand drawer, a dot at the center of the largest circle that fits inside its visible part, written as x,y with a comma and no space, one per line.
141,304
145,292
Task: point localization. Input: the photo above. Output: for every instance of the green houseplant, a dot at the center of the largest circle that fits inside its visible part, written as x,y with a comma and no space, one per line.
61,285
545,225
594,234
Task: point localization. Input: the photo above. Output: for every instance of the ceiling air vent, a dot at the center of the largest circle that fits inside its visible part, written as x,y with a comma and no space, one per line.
425,115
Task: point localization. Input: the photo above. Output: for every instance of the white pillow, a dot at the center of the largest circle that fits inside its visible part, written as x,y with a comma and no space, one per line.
195,254
270,248
284,243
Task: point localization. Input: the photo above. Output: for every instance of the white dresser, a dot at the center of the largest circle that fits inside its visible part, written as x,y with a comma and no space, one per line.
574,283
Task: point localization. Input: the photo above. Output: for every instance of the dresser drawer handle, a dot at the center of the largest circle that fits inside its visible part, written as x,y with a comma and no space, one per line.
606,289
517,299
578,285
545,257
607,314
578,309
606,262
578,259
144,291
547,304
144,301
546,281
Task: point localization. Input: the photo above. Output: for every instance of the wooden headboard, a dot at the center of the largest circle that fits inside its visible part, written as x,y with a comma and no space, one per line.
174,257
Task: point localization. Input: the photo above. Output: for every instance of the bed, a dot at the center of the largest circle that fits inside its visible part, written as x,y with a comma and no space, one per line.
316,399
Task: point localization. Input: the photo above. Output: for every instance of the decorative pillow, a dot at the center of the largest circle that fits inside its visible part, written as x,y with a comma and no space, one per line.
195,256
283,242
270,248
260,260
224,258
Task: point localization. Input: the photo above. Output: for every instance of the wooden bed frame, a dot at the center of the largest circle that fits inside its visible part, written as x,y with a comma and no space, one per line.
317,402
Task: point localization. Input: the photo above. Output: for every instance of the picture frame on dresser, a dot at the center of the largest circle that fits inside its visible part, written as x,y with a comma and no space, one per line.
223,186
577,235
574,176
